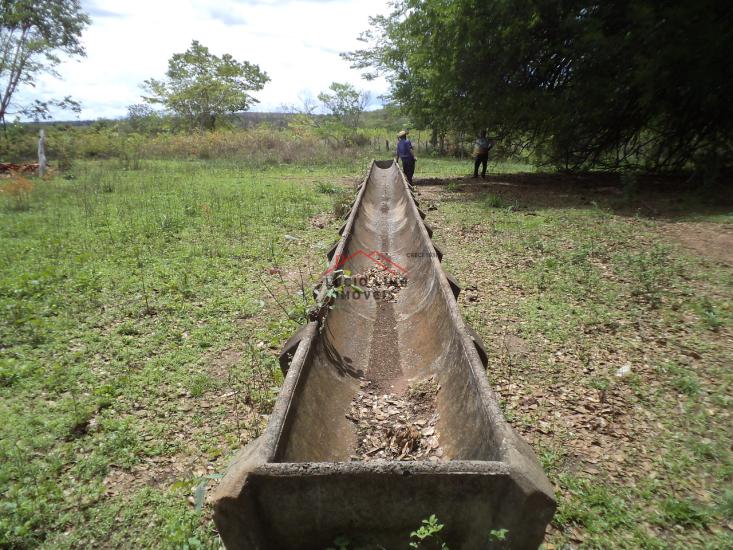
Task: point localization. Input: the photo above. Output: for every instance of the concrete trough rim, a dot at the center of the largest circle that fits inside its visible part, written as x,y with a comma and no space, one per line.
416,467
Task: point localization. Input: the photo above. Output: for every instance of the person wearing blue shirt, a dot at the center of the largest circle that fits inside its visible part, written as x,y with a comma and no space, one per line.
406,154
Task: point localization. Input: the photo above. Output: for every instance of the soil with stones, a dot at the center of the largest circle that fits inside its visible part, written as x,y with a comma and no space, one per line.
396,427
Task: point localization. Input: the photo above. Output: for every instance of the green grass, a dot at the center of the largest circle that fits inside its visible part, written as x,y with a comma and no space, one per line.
588,292
120,290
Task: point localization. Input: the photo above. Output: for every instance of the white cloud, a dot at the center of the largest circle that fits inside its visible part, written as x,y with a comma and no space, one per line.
295,41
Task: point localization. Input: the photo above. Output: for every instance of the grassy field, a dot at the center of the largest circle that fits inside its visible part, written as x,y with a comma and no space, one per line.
142,312
611,346
138,338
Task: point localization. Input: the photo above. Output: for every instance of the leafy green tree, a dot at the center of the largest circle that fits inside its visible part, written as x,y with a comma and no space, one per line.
606,84
32,35
142,118
200,86
345,103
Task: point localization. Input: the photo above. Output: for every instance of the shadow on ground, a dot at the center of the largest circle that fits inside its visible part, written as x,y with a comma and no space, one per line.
658,197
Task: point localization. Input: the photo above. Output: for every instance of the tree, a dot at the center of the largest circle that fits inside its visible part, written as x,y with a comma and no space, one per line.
144,119
200,86
345,103
589,84
32,35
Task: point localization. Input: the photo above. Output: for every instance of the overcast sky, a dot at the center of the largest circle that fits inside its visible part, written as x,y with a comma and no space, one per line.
296,42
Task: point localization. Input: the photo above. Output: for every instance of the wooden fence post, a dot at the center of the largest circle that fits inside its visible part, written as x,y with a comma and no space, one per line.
42,153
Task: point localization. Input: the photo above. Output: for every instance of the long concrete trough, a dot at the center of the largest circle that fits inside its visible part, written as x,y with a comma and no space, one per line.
302,483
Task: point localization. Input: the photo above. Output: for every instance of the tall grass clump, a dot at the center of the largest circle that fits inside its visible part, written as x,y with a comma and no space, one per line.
342,200
17,193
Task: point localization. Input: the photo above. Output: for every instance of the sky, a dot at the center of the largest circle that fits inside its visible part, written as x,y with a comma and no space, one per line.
297,42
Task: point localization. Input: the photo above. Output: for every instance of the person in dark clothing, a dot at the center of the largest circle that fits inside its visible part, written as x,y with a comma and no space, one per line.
481,149
406,154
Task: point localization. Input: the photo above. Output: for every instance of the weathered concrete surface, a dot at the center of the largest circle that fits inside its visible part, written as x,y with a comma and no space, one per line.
294,487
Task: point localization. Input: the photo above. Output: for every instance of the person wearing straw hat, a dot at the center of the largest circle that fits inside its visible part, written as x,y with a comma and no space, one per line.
406,154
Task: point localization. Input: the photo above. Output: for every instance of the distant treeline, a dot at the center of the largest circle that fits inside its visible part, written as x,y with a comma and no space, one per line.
252,136
247,119
388,118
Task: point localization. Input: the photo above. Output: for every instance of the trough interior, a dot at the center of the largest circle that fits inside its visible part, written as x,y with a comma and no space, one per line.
391,344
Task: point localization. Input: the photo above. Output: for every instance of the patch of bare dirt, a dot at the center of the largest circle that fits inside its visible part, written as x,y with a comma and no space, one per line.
709,240
159,472
230,413
660,197
322,220
220,367
396,427
225,415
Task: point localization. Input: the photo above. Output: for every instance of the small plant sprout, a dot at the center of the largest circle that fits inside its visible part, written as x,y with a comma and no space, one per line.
498,535
709,314
425,535
141,267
